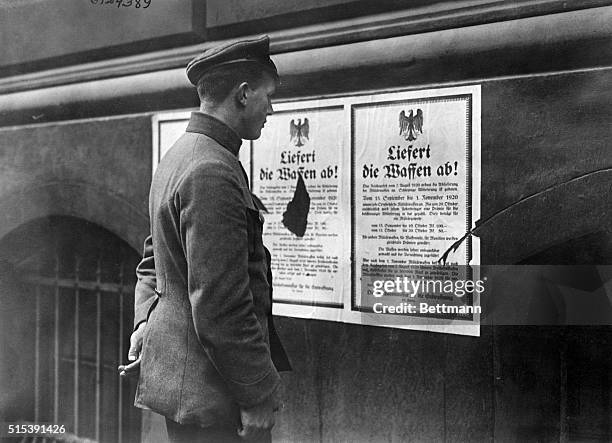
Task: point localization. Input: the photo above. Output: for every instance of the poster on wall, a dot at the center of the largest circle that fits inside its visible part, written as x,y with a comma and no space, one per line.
412,194
296,169
364,195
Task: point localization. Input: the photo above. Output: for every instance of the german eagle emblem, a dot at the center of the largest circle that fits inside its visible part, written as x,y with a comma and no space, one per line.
299,131
409,126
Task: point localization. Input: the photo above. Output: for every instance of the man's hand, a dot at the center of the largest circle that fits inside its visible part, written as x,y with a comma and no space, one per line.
134,353
258,420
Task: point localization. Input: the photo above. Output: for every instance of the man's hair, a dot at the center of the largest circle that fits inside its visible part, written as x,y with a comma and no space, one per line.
215,85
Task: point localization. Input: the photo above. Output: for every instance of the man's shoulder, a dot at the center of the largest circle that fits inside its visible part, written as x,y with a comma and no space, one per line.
209,161
196,151
193,159
196,147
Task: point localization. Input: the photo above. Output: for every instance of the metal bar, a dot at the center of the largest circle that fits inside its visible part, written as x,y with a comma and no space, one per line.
70,284
85,363
121,357
98,348
56,334
37,359
563,392
76,346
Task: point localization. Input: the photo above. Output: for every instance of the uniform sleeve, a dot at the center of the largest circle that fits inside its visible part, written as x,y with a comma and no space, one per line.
145,297
213,224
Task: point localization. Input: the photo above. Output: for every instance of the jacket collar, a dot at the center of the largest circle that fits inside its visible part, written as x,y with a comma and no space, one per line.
215,129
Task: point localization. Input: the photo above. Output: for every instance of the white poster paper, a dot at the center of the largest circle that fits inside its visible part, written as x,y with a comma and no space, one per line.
412,197
297,167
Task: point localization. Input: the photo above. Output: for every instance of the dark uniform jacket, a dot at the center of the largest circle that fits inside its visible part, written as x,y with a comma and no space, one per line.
206,291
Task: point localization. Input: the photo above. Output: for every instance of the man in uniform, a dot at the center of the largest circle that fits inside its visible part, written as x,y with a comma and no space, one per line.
210,356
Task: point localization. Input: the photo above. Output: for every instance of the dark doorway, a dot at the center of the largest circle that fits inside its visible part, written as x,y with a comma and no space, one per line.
66,310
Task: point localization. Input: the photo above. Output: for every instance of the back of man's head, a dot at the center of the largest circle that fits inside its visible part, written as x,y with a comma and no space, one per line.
215,85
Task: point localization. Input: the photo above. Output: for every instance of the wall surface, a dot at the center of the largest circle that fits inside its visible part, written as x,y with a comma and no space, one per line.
69,33
547,137
97,170
356,383
91,29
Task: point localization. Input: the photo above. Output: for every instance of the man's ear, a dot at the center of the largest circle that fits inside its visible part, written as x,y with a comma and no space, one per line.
242,93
